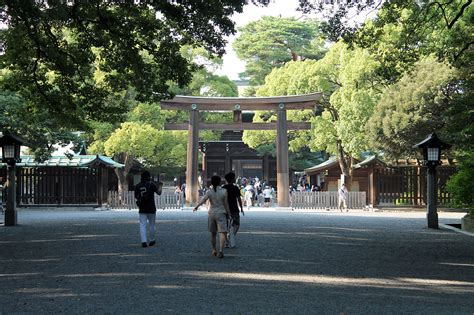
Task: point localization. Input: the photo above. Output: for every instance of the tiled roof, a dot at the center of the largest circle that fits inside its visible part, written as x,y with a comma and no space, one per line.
333,161
74,161
325,165
369,160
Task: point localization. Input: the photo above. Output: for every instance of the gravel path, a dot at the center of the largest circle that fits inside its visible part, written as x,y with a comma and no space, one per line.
306,262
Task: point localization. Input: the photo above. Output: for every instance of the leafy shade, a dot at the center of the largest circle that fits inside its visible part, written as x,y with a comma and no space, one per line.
68,58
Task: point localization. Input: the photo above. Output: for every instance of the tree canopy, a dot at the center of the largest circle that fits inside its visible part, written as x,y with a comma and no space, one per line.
272,41
413,107
350,91
68,57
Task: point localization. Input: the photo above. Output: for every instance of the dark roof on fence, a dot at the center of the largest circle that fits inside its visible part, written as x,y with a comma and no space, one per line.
74,161
369,160
323,166
333,162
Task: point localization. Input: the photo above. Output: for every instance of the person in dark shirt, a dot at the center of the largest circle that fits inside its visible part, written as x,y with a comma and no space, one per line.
145,198
235,202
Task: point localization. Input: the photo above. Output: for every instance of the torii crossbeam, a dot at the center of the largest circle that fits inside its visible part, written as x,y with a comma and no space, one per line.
280,104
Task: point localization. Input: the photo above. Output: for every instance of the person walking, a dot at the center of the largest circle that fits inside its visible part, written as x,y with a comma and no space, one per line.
267,194
343,195
235,202
218,213
248,196
144,196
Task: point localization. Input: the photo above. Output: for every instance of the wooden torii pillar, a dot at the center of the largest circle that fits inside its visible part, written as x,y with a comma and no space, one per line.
279,104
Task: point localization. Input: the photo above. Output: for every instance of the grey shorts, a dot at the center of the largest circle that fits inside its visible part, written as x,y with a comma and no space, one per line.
217,222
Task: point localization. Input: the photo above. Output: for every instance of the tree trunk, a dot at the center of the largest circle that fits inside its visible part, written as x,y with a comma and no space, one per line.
122,173
294,56
345,164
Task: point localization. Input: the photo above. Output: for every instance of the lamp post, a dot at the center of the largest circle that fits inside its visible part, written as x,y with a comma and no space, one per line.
10,155
431,149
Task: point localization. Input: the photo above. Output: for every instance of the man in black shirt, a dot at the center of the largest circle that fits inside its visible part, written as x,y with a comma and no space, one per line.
235,202
145,198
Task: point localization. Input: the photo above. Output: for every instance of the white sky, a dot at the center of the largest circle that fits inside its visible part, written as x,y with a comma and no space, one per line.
285,8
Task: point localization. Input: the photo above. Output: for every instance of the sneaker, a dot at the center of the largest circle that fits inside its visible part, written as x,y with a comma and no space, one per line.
152,243
221,255
144,244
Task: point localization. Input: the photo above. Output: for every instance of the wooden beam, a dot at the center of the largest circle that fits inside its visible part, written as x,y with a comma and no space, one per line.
241,126
292,102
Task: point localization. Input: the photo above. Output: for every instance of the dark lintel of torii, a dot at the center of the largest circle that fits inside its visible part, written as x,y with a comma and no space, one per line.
291,102
239,126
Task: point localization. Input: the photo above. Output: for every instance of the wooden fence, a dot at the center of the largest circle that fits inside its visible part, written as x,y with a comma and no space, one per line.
298,200
326,200
126,200
406,185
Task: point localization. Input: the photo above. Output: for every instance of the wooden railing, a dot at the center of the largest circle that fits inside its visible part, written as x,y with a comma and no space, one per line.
326,200
126,200
298,200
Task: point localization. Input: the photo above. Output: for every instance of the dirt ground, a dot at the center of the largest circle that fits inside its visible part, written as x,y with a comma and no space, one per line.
80,261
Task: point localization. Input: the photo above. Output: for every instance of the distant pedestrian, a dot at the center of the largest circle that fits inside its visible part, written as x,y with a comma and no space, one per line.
218,214
267,194
183,190
248,195
144,195
343,196
178,195
235,204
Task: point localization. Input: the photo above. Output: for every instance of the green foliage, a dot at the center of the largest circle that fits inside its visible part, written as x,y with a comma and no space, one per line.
412,108
33,125
135,139
272,41
345,77
403,31
66,59
461,184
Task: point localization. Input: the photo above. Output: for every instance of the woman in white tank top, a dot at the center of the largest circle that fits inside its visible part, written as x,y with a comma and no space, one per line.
218,214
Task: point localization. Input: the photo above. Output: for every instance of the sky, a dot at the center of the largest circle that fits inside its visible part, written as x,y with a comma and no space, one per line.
285,8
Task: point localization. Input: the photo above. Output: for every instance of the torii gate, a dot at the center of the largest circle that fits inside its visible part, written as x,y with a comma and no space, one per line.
237,104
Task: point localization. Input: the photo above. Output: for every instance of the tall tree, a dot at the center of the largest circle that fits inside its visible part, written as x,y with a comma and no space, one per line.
350,91
272,41
54,49
418,104
344,19
166,150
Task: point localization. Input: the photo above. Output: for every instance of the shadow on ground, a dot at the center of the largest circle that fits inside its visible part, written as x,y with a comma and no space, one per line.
91,262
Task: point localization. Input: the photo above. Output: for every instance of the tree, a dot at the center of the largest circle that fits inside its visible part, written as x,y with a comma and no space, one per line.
41,132
55,49
420,18
167,150
131,140
350,91
413,107
272,41
461,184
402,33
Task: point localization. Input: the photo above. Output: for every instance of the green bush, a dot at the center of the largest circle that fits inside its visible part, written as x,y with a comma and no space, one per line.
461,184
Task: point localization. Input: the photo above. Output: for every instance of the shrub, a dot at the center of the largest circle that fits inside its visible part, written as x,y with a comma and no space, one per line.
461,184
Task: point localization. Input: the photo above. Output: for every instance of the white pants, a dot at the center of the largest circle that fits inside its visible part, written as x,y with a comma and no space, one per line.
144,219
